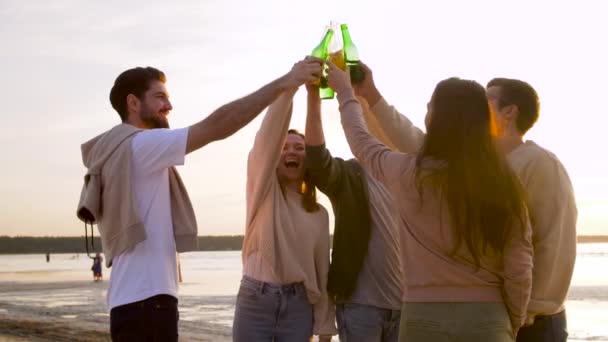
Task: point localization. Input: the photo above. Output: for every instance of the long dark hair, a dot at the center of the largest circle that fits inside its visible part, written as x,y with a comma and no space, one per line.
309,192
483,195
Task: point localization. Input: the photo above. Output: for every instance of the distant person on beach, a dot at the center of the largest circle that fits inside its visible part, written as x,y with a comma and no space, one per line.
467,245
147,215
552,206
96,268
283,292
48,257
365,275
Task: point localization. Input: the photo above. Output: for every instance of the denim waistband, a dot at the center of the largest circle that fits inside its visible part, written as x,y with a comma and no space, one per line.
264,287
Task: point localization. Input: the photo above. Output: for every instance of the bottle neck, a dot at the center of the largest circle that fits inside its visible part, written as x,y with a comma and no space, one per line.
327,39
346,35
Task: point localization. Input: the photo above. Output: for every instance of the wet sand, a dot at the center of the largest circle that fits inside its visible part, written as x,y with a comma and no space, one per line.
75,311
58,301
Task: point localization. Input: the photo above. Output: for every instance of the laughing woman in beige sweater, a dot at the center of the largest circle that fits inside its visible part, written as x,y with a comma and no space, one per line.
467,252
283,294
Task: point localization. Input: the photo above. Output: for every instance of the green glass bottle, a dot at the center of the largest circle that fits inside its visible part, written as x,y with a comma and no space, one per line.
320,51
351,56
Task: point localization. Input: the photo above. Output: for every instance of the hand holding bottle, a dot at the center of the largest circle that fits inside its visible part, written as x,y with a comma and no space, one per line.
367,88
337,79
307,70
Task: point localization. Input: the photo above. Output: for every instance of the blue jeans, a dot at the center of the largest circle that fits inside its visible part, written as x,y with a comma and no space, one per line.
551,328
152,319
357,322
272,313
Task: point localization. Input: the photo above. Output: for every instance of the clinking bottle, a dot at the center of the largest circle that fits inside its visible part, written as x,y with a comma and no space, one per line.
351,56
320,51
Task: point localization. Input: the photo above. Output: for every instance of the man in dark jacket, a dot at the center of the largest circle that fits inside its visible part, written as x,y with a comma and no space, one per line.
365,276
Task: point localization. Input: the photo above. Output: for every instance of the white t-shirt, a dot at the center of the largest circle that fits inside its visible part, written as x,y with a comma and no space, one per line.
150,268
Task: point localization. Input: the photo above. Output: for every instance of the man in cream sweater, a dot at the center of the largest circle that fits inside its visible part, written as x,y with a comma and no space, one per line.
551,203
134,194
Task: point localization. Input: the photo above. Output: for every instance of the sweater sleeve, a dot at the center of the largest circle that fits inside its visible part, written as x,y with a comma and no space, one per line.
377,158
398,128
373,125
518,257
325,170
266,152
324,310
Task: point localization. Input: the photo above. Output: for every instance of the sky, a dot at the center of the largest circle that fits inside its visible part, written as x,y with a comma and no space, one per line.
60,58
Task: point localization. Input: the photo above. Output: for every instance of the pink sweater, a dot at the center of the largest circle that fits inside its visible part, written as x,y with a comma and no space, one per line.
432,273
283,242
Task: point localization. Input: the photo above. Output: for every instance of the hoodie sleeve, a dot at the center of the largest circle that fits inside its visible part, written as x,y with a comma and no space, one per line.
325,170
399,130
324,310
383,164
266,152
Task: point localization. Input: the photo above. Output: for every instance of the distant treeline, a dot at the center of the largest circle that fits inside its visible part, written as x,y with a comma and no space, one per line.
32,245
592,238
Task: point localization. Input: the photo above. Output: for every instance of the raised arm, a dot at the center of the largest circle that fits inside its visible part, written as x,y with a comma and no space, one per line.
377,158
326,171
373,126
398,129
266,152
231,117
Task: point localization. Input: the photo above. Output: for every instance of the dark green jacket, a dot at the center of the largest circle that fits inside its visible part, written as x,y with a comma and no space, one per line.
343,181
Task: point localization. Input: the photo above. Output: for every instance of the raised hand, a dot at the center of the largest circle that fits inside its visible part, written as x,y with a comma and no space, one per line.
307,70
337,79
367,88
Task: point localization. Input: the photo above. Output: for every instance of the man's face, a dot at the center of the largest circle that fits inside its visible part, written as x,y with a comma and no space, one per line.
291,164
155,106
501,113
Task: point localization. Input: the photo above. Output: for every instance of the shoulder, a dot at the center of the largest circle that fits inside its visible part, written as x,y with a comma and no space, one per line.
533,159
159,139
538,167
159,135
353,166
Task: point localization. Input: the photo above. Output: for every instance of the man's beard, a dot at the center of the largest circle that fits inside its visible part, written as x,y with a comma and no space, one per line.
153,120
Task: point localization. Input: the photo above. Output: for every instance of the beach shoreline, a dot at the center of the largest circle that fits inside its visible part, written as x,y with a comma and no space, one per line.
25,315
58,301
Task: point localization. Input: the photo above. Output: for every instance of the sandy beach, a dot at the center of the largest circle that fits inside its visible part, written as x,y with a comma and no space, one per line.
74,311
58,301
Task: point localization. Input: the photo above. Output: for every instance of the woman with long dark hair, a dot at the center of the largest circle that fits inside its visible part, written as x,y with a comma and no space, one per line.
283,294
467,253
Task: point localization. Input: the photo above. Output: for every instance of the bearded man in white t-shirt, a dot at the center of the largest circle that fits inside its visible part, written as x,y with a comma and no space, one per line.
133,193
